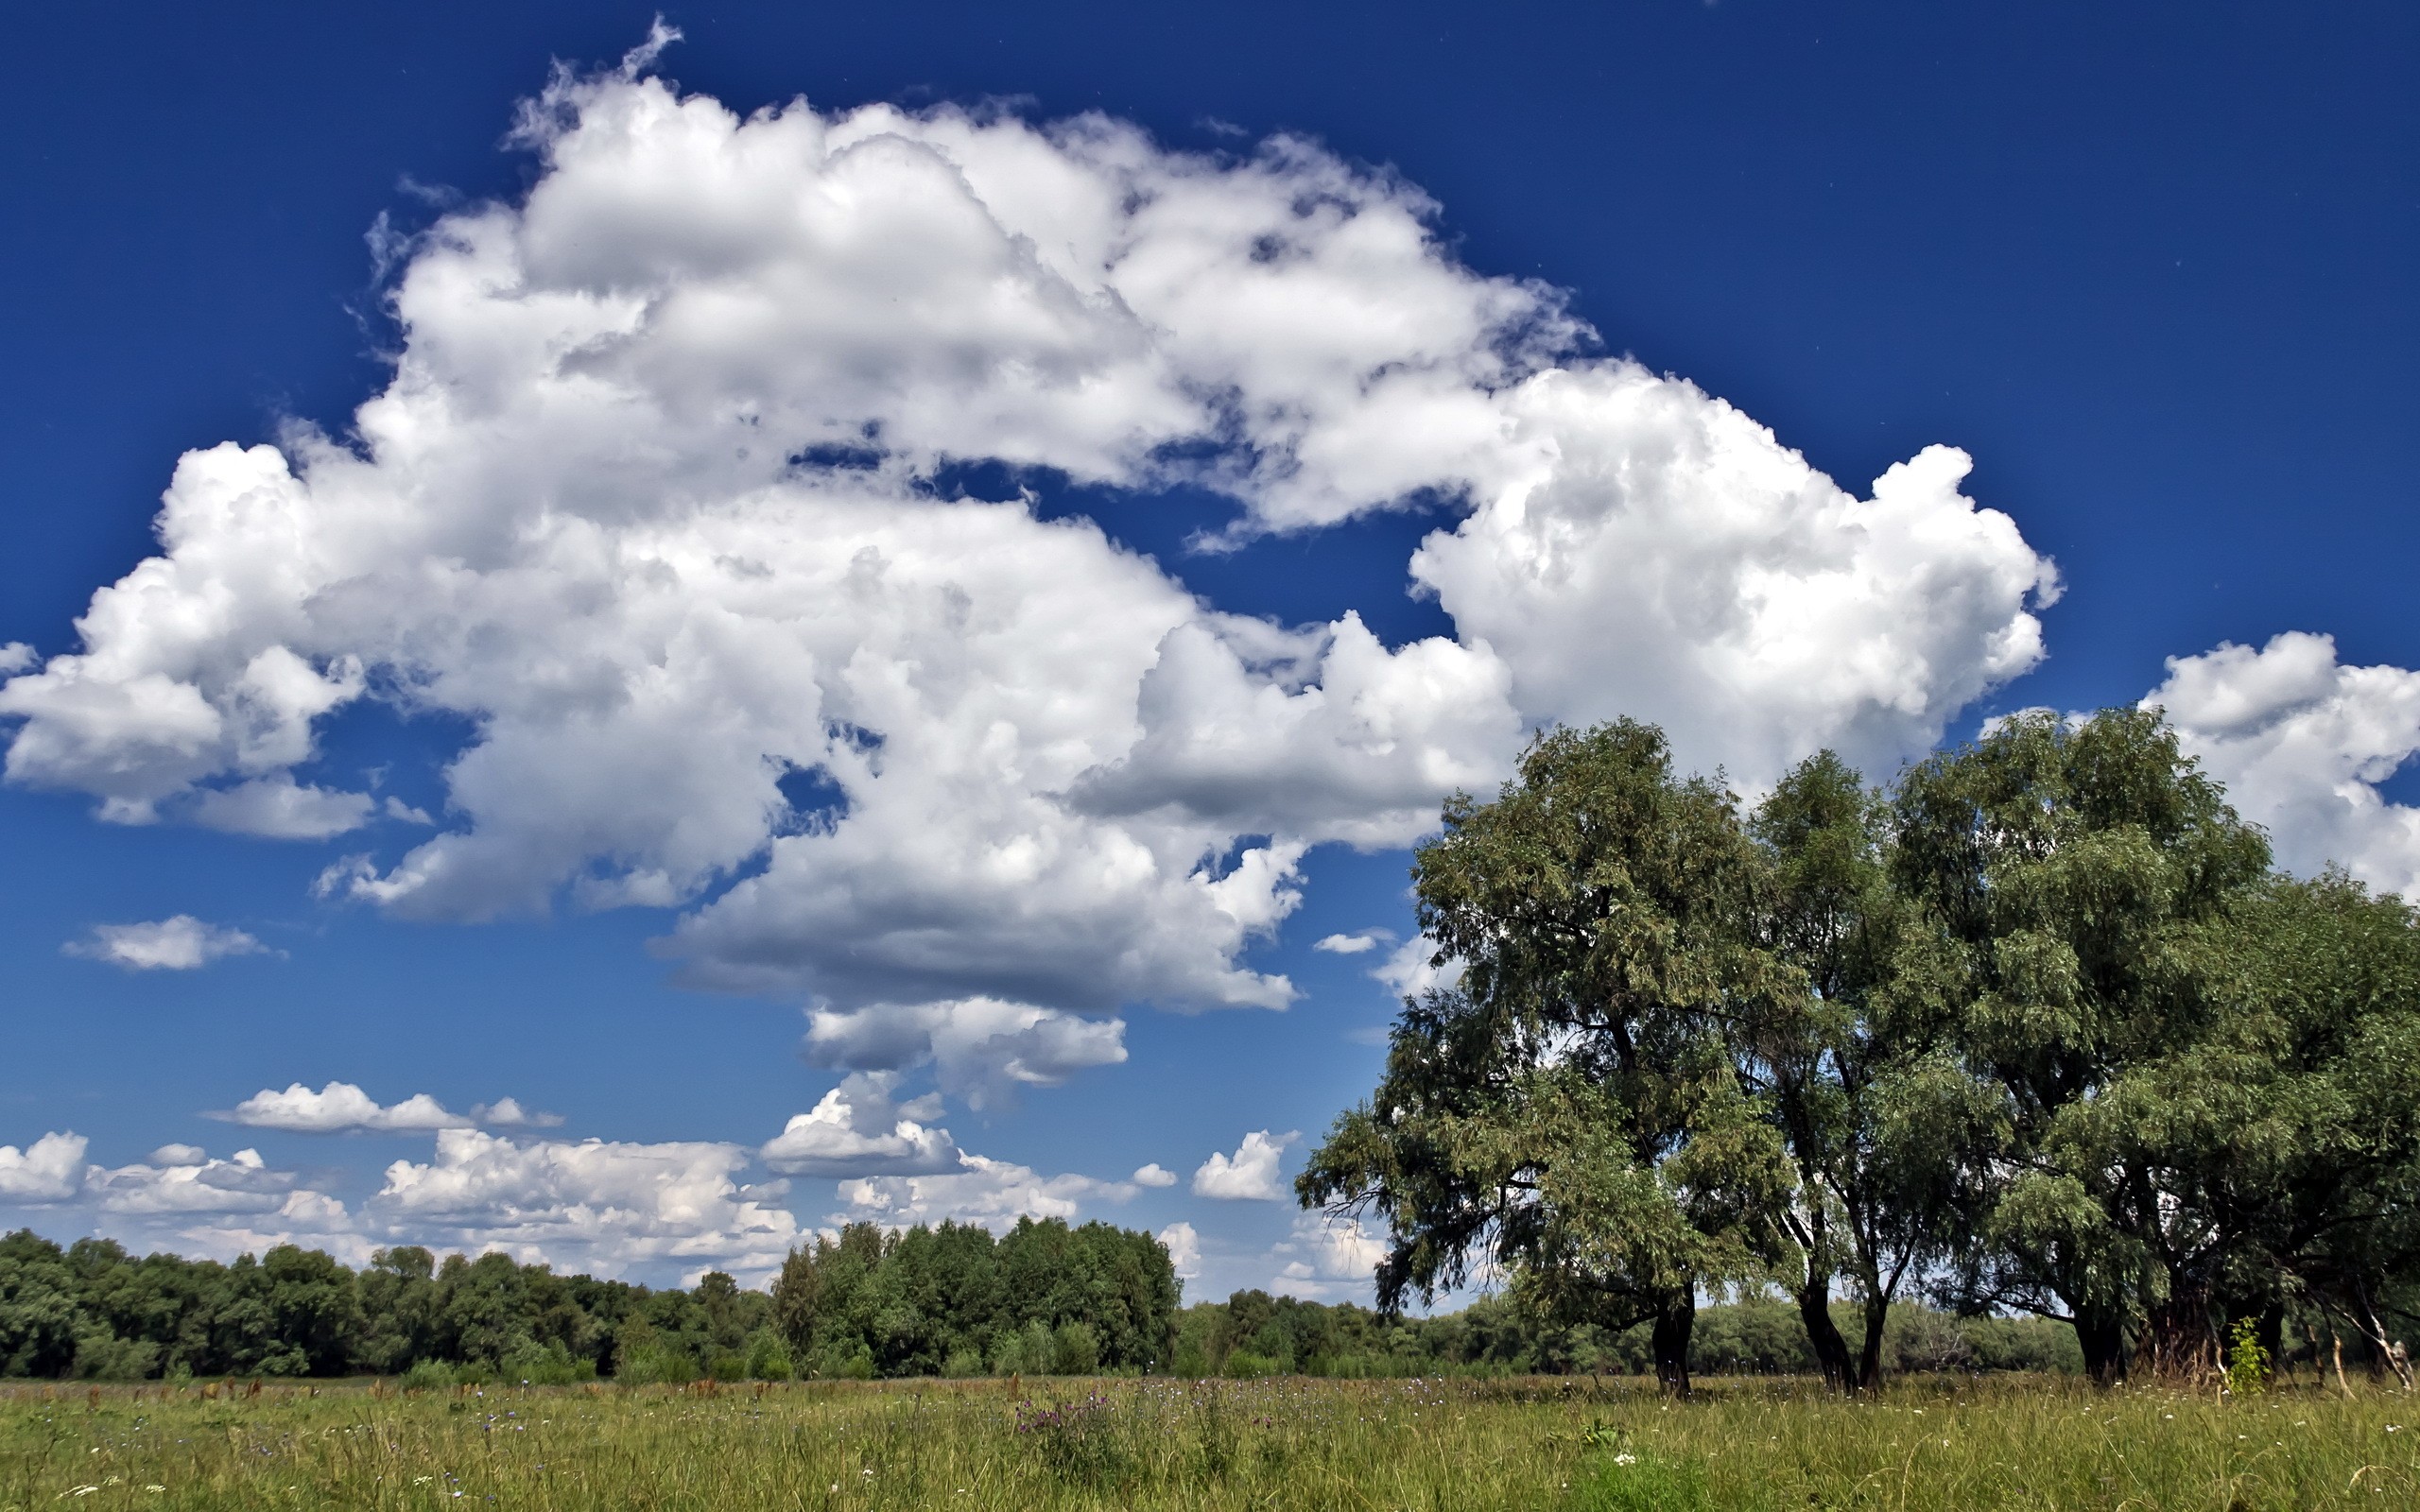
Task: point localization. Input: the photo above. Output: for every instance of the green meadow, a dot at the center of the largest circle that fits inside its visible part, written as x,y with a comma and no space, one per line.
1923,1444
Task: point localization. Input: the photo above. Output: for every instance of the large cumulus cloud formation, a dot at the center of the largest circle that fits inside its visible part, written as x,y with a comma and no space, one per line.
649,505
2303,743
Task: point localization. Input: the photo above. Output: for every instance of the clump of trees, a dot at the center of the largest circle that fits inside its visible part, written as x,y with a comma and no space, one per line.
1041,1299
2037,1032
1044,1298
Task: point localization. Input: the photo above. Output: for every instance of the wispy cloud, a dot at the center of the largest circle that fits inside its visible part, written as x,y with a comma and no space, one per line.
180,943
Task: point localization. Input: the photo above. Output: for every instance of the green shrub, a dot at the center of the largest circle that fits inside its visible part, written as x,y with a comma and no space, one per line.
726,1365
2247,1361
845,1363
768,1356
428,1375
1075,1350
963,1363
657,1364
1031,1351
546,1364
100,1355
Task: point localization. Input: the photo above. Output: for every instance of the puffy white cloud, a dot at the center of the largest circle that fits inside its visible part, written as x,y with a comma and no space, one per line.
859,1130
982,1191
981,1049
1185,1249
180,943
51,1169
1154,1174
594,1205
1250,1174
647,505
1655,553
507,1112
1354,944
338,1106
2302,742
1330,1257
242,1183
1411,970
1237,734
312,1219
16,656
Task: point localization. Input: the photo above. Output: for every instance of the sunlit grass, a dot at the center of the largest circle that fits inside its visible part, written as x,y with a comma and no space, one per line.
1275,1444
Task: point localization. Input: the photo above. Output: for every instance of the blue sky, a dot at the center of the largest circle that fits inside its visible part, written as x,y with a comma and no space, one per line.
1519,291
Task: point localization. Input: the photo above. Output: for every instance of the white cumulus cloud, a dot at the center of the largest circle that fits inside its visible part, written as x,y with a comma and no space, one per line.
1411,969
338,1106
1185,1249
648,506
51,1169
982,1191
1250,1174
981,1049
1154,1174
180,943
1327,1257
242,1183
1658,554
2302,742
604,1207
859,1130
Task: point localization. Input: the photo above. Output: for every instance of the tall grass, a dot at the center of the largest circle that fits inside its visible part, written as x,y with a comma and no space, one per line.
1287,1443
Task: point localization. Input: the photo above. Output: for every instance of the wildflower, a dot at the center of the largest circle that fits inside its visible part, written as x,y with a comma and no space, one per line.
1625,1458
155,1489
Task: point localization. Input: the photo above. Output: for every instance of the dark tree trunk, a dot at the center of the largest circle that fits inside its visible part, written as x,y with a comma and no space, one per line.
1869,1359
2102,1336
2180,1340
1671,1339
1831,1350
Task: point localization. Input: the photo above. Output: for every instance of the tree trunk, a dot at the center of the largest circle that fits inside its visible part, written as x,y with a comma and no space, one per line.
2390,1350
1869,1357
1671,1341
1831,1350
2103,1337
2180,1342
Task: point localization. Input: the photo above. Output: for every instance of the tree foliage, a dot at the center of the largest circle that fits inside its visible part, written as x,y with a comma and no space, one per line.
2038,1031
918,1301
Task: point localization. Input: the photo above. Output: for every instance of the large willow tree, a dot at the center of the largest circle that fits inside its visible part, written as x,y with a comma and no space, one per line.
1566,1114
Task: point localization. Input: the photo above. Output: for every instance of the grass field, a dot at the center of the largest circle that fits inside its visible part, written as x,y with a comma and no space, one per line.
1276,1444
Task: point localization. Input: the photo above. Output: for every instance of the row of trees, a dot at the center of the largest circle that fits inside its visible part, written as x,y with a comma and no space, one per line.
92,1310
2039,1031
1252,1334
1042,1299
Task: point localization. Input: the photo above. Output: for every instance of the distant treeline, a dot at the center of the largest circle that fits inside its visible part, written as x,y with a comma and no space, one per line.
1044,1298
1252,1334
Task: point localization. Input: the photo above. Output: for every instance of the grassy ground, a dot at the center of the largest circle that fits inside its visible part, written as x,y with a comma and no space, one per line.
1280,1444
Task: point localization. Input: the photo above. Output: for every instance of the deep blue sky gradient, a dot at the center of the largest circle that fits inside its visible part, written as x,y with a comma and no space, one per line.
2150,263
